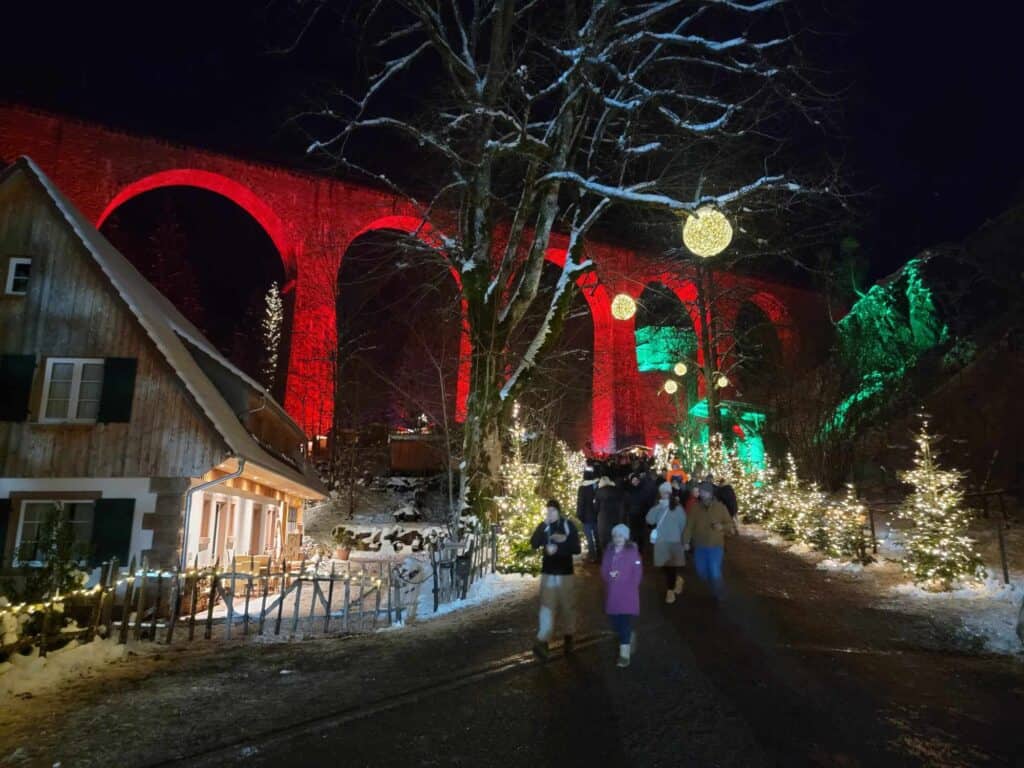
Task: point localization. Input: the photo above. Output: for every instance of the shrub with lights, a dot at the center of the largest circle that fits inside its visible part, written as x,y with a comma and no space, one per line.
520,509
844,523
938,551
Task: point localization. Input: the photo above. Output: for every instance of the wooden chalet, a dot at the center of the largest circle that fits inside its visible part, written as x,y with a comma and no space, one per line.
113,406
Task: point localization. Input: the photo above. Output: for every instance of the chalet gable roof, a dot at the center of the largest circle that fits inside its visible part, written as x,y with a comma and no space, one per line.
172,334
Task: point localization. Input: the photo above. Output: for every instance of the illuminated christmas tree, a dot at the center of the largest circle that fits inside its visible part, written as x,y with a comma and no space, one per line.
844,523
787,502
938,550
520,508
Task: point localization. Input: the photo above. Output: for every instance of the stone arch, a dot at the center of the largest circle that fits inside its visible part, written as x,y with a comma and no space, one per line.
413,225
237,193
779,316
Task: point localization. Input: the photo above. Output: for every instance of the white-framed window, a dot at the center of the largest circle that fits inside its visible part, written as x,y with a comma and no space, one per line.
18,273
30,548
71,390
293,520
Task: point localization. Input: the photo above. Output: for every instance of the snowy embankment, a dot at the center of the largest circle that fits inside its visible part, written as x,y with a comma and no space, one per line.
986,610
496,587
32,674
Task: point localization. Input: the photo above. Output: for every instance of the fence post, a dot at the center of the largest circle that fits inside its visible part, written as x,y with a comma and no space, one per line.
362,598
330,599
1002,539
248,594
265,575
229,597
208,633
348,597
298,596
126,609
156,605
111,587
94,624
141,605
280,601
175,605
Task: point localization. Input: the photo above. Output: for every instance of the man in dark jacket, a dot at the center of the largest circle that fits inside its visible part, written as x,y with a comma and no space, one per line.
608,500
726,495
636,510
560,541
586,512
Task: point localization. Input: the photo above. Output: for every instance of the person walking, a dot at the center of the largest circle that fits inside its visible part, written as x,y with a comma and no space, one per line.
622,571
586,512
707,525
669,521
560,540
608,500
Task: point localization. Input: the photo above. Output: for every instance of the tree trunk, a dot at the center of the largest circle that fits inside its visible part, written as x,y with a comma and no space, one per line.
482,453
707,340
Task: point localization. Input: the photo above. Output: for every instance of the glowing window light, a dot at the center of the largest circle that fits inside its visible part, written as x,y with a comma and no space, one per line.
623,307
679,369
670,386
707,232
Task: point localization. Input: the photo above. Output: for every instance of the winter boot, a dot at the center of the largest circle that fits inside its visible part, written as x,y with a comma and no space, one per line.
670,596
569,646
540,650
623,661
632,643
679,585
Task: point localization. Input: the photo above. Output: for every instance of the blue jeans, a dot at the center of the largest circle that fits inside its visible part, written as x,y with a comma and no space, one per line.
622,623
708,562
590,530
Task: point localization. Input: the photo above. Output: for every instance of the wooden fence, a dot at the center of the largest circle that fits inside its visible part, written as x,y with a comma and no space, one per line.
255,598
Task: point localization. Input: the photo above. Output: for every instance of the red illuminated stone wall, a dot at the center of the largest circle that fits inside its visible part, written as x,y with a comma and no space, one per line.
312,221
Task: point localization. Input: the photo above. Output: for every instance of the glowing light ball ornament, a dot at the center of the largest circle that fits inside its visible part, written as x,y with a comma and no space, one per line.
722,382
670,386
623,307
707,232
679,369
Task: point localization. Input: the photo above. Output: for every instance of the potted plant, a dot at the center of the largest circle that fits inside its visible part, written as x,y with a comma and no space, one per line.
344,541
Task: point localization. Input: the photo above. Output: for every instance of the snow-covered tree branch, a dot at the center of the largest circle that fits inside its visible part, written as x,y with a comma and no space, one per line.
540,119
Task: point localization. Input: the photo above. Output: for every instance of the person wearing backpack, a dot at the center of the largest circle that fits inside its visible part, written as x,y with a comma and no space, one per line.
622,571
669,521
560,541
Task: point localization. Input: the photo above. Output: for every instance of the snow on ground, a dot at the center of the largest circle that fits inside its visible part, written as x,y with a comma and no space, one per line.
34,674
986,612
492,588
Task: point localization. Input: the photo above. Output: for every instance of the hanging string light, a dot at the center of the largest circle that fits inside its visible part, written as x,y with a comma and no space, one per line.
680,369
722,381
670,386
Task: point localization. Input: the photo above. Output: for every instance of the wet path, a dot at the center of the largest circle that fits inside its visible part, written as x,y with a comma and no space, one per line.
797,667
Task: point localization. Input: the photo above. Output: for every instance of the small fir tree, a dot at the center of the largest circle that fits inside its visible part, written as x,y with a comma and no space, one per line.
520,508
844,522
273,316
938,551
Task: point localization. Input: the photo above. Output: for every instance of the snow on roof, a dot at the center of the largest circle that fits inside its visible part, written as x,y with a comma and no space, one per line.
166,326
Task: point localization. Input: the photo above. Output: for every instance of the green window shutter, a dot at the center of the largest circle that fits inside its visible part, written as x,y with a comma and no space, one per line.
118,390
15,386
112,530
5,521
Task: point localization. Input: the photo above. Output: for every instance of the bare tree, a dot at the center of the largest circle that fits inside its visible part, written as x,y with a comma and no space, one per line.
544,117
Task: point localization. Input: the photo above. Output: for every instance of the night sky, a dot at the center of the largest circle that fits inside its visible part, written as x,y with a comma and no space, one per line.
932,110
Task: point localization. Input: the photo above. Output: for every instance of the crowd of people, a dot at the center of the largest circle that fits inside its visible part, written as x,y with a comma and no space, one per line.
631,512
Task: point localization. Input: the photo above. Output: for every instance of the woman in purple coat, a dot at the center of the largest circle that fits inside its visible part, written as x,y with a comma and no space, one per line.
622,569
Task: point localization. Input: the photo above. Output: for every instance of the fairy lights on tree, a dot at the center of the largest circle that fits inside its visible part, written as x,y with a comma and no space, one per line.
520,508
939,552
273,316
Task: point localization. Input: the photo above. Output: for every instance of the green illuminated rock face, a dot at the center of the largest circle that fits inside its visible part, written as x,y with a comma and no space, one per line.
658,348
882,339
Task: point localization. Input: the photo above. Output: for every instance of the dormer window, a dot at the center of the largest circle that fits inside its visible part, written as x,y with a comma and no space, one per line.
18,271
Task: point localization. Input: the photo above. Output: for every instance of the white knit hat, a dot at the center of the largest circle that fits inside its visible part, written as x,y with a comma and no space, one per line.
622,529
